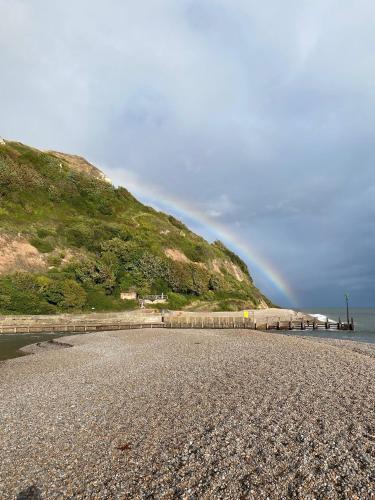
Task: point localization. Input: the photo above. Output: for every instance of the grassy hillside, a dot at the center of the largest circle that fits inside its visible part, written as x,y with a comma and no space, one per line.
71,241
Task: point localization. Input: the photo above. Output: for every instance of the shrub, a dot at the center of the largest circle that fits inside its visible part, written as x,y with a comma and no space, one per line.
176,301
20,294
198,253
128,252
96,272
54,260
233,257
42,233
227,306
98,300
105,208
108,268
79,235
43,246
151,266
215,282
180,225
199,280
65,294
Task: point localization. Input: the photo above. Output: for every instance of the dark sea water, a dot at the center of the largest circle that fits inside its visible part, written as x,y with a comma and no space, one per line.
10,344
364,324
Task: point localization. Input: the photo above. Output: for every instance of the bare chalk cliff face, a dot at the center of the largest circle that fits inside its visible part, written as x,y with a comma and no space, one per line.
17,254
218,266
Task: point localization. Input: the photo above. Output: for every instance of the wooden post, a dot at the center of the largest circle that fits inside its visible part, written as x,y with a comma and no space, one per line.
352,324
278,325
255,324
347,308
315,325
290,325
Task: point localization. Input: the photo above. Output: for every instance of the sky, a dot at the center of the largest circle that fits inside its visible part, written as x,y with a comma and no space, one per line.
254,122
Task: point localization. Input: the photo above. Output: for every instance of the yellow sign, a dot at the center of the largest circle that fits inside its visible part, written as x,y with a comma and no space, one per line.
246,314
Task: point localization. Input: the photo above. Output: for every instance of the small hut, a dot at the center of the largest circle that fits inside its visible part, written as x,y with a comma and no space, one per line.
129,295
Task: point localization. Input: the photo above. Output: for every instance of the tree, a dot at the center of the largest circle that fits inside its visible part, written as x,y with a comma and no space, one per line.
65,294
127,252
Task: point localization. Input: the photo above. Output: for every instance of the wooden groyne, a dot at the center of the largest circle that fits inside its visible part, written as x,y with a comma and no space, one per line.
233,322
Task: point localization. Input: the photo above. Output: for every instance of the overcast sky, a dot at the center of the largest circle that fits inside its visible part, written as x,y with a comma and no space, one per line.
259,114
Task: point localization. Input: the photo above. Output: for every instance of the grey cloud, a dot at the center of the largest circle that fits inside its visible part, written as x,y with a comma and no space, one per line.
260,114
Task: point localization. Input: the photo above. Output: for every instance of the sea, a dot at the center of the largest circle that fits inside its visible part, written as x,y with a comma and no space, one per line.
364,331
364,324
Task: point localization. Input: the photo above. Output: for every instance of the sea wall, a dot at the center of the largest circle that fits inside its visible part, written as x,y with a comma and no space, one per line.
140,316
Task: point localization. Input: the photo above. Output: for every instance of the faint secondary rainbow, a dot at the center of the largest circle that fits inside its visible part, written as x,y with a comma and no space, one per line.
185,210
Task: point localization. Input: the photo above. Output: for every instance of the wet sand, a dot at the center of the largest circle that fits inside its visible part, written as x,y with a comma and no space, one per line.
189,414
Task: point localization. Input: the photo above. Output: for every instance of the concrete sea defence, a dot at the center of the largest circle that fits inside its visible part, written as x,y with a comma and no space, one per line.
77,322
259,314
115,321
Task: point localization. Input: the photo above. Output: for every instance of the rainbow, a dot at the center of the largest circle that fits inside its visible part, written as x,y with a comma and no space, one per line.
186,211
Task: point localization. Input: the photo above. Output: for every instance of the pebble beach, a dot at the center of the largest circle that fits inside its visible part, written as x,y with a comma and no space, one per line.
189,414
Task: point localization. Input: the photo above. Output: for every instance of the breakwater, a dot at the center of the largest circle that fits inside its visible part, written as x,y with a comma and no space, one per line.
79,322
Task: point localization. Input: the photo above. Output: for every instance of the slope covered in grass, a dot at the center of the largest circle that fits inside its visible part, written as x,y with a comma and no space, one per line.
70,241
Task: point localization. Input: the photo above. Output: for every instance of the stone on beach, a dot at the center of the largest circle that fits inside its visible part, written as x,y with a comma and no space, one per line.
189,414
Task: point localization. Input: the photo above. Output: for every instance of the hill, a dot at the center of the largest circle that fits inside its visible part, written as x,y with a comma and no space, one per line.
71,241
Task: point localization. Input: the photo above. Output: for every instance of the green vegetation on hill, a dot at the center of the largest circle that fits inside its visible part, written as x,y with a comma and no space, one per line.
94,240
